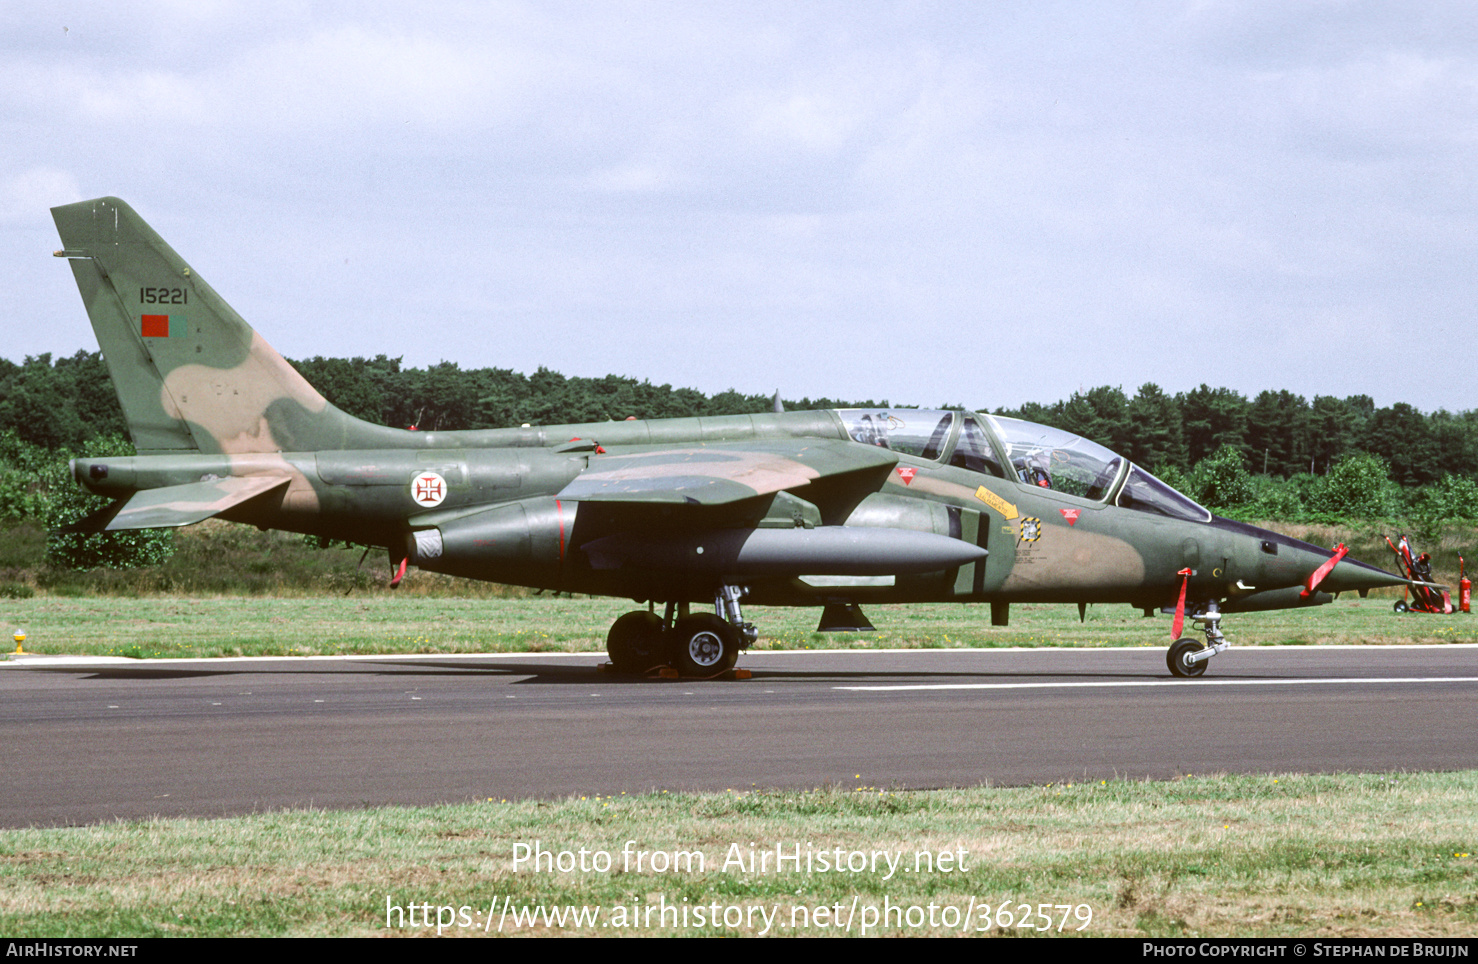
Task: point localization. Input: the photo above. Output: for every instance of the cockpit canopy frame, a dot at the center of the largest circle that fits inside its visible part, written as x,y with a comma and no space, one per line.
1025,452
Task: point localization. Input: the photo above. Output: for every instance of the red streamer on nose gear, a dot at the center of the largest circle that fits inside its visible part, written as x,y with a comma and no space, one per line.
1185,577
399,573
1322,571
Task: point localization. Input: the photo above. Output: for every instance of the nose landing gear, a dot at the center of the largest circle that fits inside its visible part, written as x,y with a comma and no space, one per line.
1188,656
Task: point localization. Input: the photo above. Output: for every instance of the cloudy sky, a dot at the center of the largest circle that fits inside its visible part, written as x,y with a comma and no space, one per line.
973,203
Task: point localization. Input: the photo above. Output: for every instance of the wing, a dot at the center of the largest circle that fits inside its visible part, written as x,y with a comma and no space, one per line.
633,494
726,472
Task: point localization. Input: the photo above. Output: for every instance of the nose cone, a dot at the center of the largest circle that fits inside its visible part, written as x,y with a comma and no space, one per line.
1270,561
1351,575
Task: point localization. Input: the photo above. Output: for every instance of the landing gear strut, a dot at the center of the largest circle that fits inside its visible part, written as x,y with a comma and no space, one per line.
1187,657
697,644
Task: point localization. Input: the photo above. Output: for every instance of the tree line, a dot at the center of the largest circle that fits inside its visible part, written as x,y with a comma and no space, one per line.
1278,433
63,402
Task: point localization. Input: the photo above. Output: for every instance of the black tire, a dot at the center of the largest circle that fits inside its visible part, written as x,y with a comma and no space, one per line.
1179,650
704,645
637,642
1400,606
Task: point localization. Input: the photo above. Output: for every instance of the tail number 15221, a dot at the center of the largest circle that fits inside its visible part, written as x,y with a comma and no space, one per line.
164,296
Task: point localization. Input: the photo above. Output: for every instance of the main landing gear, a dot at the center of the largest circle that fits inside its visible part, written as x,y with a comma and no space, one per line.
1188,656
696,644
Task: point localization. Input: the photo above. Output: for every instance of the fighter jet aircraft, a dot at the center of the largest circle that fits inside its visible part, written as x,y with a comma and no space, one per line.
831,509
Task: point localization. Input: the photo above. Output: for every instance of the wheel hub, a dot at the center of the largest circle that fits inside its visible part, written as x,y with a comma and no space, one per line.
705,649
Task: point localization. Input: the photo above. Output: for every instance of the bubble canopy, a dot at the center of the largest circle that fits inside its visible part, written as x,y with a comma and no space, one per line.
921,432
1039,455
1054,459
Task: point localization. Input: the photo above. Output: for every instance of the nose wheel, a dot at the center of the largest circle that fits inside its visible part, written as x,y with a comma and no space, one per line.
1177,658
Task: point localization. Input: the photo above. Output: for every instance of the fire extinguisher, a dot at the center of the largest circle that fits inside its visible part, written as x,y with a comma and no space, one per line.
1464,588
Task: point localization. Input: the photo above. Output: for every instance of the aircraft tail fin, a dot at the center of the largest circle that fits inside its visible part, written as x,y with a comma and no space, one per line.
190,374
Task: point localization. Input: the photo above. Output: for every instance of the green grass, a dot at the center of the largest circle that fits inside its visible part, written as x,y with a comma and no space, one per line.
1248,856
384,622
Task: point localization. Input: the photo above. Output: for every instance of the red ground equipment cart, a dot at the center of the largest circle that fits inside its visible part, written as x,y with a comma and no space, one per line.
1424,598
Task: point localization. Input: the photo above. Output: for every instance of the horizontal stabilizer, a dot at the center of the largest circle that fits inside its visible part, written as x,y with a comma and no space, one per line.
177,505
721,473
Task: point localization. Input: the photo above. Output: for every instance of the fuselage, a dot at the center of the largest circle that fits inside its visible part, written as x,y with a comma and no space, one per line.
1059,518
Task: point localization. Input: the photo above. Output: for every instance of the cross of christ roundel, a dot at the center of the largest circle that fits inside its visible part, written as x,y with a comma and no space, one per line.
428,489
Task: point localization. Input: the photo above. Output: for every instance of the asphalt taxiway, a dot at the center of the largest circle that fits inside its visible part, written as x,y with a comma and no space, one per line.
87,740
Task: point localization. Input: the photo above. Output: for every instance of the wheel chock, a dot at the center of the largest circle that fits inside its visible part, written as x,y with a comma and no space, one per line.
669,672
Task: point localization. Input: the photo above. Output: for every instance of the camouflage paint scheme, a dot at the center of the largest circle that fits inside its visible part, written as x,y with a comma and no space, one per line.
779,508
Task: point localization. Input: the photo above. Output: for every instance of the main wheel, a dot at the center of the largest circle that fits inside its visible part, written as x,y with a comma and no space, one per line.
637,642
704,645
1400,606
1179,650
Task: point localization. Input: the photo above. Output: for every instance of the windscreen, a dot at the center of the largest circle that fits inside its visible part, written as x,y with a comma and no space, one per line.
1145,493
